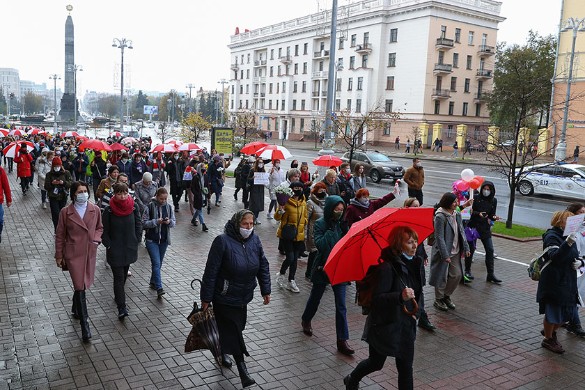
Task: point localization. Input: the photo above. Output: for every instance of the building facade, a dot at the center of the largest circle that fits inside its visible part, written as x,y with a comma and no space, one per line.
10,82
430,61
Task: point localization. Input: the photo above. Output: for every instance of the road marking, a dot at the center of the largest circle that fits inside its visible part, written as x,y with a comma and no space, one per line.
508,260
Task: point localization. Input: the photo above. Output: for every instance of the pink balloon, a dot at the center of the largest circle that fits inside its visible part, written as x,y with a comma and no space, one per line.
462,185
474,183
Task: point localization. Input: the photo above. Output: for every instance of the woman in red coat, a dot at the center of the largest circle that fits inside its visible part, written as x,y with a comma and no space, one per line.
23,162
361,206
79,232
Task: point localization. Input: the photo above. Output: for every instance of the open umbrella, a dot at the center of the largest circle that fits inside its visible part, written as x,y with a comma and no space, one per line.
174,142
11,148
253,147
94,144
36,131
17,133
68,134
117,146
189,146
327,160
273,152
128,140
360,248
4,132
117,134
164,148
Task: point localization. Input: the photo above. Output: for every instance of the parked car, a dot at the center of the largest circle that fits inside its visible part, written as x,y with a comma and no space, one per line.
567,180
377,166
507,144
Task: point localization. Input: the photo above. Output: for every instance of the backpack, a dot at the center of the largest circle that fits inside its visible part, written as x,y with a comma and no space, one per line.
365,289
539,263
431,237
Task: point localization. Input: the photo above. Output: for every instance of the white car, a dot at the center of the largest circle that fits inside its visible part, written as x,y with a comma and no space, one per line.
567,180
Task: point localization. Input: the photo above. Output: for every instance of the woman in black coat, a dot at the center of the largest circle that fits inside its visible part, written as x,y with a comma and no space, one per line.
235,261
122,233
557,294
389,330
196,187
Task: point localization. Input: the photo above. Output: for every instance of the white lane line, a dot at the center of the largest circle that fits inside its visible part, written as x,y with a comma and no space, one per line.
508,260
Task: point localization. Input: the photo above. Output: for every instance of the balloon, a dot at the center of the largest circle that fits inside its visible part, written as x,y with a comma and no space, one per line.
462,185
467,174
474,183
480,179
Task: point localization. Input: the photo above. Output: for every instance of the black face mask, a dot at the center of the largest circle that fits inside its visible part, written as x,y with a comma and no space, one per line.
294,166
321,195
298,193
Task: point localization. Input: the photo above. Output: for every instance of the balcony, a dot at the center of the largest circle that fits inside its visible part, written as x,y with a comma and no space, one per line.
483,74
486,51
479,98
363,48
322,74
442,69
316,93
439,94
259,94
257,79
260,63
235,67
321,54
444,43
286,59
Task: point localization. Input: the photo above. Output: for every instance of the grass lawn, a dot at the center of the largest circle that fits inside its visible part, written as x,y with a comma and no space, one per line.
517,231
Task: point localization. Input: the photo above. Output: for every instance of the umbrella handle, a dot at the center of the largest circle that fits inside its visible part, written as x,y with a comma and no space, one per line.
414,308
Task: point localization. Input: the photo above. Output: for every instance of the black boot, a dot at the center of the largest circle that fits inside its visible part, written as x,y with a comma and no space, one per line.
424,323
350,383
247,381
226,361
74,311
204,227
83,317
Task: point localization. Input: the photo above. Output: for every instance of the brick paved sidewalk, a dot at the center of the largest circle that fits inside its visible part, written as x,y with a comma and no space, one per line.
491,340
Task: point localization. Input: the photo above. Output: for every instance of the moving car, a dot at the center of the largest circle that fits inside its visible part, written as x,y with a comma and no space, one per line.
567,180
376,165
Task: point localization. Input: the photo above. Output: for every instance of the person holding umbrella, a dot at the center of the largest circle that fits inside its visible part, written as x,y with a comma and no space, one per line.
256,190
5,194
23,162
235,262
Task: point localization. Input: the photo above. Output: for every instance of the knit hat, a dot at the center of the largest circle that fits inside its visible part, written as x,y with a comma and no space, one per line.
56,161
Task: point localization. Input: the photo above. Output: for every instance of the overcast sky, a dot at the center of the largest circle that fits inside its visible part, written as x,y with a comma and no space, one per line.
176,42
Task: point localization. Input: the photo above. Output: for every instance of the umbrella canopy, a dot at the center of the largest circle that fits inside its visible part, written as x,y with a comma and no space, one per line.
10,150
36,131
68,134
189,146
273,152
4,132
164,148
17,133
253,147
82,137
117,146
360,248
175,142
117,134
128,140
328,160
94,144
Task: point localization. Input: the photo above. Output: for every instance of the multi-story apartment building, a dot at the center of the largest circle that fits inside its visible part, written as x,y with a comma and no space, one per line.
10,82
429,60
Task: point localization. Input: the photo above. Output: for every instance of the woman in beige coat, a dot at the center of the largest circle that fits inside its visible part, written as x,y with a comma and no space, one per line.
79,232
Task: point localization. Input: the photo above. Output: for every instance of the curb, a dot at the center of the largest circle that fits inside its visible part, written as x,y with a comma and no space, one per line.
527,239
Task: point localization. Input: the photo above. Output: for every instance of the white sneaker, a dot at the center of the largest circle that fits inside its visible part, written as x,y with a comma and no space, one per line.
292,286
269,216
279,280
129,273
44,205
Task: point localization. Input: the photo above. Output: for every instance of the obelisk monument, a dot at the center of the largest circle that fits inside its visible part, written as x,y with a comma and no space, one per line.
67,112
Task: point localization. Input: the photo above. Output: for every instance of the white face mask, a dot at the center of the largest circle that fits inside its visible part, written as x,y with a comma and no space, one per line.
245,233
260,165
418,165
81,198
57,168
486,193
348,171
277,165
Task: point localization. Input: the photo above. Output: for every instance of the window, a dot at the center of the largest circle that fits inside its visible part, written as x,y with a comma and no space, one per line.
304,87
366,38
484,39
241,104
232,105
304,68
241,89
470,38
388,105
360,83
437,107
338,85
467,83
458,35
387,128
295,86
441,57
270,88
296,50
278,71
453,84
247,88
320,66
283,86
279,52
350,84
358,105
443,31
393,35
292,125
456,60
282,105
451,108
365,61
296,68
277,87
469,59
271,71
353,40
247,73
322,46
305,48
352,62
241,74
449,131
389,83
303,104
247,104
271,54
340,63
287,70
478,109
242,58
465,107
269,120
340,45
302,124
391,60
337,104
277,105
348,107
248,58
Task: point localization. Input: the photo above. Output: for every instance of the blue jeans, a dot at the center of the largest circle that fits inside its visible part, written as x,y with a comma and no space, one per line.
156,252
340,310
198,214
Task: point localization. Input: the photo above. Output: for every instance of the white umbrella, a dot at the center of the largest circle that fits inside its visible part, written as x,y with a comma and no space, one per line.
10,150
68,134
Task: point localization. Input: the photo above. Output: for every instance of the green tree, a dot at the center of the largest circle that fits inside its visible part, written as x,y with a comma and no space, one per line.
141,101
3,105
193,125
33,103
521,93
109,105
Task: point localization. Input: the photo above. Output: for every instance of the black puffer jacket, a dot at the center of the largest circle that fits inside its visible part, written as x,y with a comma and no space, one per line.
121,236
233,265
483,204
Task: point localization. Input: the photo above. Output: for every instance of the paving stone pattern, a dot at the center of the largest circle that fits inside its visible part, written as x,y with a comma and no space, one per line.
490,341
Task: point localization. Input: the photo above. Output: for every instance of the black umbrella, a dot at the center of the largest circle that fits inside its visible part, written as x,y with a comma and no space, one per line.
204,334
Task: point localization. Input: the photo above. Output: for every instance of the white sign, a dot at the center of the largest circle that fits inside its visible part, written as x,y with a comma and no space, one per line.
574,224
261,178
150,110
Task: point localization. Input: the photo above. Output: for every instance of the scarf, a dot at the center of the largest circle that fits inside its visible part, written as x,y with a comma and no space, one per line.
122,208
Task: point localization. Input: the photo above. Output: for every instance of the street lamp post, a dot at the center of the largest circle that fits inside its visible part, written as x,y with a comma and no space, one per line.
575,25
328,139
190,86
75,68
55,77
121,44
222,82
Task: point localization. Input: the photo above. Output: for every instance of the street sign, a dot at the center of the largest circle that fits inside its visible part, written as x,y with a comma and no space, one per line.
150,110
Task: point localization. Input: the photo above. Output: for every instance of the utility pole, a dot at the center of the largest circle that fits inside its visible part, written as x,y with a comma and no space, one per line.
328,136
121,44
190,86
222,82
55,77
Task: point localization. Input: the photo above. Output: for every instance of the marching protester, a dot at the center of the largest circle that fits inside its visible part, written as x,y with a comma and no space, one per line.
414,177
43,166
315,209
277,176
78,234
362,207
5,194
256,192
57,184
23,161
235,262
574,325
197,193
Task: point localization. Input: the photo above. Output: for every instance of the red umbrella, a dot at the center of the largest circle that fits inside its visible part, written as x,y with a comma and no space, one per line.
273,152
36,131
117,146
10,150
117,134
94,144
174,142
128,140
328,160
189,146
253,147
17,133
164,148
4,132
70,134
360,248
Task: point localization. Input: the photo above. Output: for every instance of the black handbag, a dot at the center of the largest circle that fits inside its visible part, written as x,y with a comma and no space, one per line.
289,232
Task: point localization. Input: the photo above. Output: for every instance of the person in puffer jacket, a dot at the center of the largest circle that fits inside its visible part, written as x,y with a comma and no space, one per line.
235,261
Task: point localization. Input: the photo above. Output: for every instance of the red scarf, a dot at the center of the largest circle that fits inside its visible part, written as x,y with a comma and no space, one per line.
122,208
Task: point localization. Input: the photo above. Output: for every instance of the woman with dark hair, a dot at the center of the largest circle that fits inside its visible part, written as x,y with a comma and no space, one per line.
122,233
79,232
389,329
315,206
235,262
256,190
57,184
358,181
450,244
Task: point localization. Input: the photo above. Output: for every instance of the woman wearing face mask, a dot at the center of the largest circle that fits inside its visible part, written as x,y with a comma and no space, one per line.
361,206
328,230
389,331
78,235
315,206
157,220
235,262
344,183
137,169
57,184
43,166
122,233
294,164
277,176
256,191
